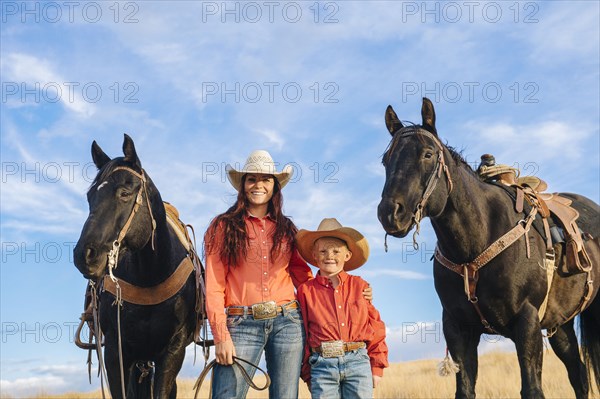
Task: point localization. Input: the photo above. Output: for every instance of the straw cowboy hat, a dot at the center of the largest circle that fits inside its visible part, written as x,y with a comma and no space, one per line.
356,242
259,161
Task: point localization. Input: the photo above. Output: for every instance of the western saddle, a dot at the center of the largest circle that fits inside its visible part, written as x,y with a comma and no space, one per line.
551,207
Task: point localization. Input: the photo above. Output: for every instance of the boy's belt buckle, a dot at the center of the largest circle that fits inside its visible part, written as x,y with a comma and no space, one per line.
332,349
264,310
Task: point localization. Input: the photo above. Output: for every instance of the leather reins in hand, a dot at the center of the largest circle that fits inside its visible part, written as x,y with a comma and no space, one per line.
236,363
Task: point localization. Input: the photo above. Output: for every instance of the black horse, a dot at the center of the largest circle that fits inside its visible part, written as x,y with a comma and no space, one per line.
127,222
426,178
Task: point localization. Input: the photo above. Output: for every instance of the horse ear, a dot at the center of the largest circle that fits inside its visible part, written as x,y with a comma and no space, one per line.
428,115
99,157
392,122
129,151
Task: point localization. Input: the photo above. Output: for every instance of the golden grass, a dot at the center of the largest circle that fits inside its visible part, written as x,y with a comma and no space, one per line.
499,377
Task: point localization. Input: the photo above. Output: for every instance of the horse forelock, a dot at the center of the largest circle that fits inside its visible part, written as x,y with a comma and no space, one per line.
396,139
456,155
107,170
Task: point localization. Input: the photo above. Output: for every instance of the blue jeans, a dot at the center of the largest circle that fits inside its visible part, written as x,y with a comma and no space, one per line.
348,376
282,340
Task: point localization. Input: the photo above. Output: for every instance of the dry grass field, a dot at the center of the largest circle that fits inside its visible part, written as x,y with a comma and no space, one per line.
498,378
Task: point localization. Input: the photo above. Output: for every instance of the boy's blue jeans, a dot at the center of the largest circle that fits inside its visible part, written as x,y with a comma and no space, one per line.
348,376
282,340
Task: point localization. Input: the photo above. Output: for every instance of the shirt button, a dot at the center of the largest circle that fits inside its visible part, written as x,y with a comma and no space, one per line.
342,324
265,289
265,273
340,306
336,291
264,257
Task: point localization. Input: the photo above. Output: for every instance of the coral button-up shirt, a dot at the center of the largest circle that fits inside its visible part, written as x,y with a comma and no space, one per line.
258,278
342,313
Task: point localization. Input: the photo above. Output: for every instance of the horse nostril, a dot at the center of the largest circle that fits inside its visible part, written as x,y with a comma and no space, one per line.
399,209
389,212
90,255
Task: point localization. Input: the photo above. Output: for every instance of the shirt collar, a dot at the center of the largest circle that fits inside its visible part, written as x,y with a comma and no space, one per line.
251,216
325,280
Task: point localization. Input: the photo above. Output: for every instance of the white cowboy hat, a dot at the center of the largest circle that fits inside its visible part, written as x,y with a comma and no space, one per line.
356,242
259,161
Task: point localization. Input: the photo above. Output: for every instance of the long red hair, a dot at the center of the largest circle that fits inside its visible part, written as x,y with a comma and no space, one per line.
232,246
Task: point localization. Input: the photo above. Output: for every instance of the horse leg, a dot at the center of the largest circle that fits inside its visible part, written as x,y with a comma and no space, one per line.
526,333
462,343
113,371
564,343
168,367
589,325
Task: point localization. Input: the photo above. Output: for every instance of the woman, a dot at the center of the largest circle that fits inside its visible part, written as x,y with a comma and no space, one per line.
251,260
252,269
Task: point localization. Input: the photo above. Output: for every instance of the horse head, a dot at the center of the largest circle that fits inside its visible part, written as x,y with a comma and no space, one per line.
414,162
121,212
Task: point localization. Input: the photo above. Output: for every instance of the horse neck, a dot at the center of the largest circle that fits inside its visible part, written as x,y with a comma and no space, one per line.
467,225
157,260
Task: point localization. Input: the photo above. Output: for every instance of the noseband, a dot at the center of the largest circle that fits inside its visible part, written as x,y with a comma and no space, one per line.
432,180
113,255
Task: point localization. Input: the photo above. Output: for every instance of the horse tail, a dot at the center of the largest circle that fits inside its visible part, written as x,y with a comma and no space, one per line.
589,325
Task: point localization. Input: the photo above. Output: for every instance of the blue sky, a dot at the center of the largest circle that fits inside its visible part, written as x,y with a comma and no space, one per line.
198,85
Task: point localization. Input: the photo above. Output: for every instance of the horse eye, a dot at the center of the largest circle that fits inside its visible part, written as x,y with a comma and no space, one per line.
124,194
428,155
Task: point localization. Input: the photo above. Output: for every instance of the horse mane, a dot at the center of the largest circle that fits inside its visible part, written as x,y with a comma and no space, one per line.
458,158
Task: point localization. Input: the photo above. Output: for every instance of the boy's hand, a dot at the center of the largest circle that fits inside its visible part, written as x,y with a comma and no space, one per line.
224,352
368,293
376,380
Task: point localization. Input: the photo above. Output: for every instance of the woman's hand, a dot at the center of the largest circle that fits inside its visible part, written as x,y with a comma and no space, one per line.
224,352
368,293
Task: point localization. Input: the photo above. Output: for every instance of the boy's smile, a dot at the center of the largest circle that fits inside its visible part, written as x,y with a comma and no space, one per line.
331,254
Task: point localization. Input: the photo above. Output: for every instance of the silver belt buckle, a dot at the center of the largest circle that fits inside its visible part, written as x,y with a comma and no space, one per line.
264,310
332,349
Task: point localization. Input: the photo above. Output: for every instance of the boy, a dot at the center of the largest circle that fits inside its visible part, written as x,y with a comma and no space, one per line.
346,351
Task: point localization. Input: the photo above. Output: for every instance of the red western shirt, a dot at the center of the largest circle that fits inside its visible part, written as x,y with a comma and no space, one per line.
341,314
258,277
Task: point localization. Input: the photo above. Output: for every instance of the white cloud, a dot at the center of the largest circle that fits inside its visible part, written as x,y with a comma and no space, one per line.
401,274
545,140
27,387
272,136
551,44
29,72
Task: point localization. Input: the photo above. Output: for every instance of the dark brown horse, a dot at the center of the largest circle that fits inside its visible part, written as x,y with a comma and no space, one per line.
425,178
127,215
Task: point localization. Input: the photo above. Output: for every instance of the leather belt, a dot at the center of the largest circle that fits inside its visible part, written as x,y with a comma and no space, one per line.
337,348
262,310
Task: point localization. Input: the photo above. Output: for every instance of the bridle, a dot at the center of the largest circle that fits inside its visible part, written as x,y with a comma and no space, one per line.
434,177
113,260
113,255
469,270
